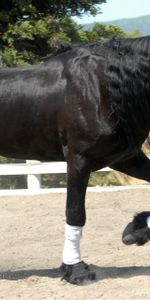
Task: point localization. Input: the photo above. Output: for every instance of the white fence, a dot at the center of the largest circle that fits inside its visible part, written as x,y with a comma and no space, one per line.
34,169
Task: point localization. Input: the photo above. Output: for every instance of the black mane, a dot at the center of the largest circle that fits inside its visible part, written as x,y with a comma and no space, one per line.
128,71
115,45
61,49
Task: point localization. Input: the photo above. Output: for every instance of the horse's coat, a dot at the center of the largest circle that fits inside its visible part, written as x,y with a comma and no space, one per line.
88,105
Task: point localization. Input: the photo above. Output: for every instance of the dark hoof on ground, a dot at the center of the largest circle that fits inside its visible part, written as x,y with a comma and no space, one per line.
138,231
79,273
128,237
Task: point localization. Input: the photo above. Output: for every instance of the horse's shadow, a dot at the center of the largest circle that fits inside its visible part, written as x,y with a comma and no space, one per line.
120,272
22,274
101,273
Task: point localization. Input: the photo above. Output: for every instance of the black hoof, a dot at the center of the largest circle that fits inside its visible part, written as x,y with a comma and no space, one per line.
137,232
128,237
79,273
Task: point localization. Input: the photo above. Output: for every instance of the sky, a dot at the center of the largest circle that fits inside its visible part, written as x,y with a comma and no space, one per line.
118,9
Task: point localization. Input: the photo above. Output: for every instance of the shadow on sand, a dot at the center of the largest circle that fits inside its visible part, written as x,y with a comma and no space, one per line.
101,273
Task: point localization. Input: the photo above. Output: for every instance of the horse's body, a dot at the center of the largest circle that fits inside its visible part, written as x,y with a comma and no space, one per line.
29,112
87,105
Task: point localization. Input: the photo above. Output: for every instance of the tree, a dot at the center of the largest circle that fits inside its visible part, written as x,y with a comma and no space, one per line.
12,10
103,31
134,34
26,42
30,29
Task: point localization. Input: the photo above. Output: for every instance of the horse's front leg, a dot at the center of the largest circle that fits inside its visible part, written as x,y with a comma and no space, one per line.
74,269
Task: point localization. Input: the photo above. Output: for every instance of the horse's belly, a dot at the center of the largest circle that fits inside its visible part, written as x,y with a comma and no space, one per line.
53,154
30,145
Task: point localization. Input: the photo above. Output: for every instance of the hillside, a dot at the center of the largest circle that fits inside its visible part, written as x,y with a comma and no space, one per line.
129,25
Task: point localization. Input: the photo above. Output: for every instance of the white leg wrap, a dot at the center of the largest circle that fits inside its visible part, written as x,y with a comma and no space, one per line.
71,253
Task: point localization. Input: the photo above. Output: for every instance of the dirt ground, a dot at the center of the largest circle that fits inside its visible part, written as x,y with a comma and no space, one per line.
31,243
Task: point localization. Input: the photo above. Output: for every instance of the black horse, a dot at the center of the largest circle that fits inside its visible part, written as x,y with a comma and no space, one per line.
87,105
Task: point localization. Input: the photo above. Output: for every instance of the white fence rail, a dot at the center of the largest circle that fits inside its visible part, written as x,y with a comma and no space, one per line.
34,170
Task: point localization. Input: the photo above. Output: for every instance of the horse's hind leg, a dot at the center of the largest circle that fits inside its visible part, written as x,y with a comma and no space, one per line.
137,231
74,269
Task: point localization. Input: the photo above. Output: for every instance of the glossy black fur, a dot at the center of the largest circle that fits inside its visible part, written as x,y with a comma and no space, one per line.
87,105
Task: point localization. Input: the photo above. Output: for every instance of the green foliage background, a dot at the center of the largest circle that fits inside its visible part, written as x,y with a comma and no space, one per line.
28,41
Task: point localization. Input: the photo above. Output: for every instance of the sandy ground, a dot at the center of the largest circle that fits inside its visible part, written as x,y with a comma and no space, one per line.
31,243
